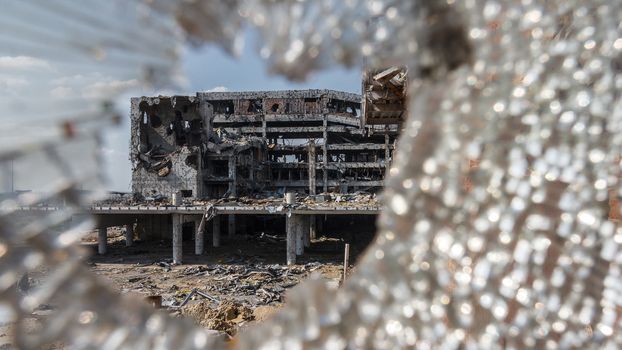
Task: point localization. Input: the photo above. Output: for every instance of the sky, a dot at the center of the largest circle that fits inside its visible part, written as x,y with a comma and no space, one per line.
210,68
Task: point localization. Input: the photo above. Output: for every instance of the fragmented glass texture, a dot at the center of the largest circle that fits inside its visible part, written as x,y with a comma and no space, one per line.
500,227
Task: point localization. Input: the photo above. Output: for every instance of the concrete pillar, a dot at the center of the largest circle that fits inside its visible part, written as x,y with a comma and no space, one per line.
306,234
199,243
206,111
177,238
311,162
102,240
300,247
231,226
290,229
387,152
325,154
216,231
129,235
233,176
312,227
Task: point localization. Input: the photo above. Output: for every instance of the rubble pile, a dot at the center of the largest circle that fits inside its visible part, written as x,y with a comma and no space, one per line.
226,317
253,285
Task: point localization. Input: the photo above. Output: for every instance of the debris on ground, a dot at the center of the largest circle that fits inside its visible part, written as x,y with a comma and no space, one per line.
228,316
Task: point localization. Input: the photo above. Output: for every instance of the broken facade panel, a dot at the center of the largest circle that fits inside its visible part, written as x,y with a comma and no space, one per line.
384,95
230,144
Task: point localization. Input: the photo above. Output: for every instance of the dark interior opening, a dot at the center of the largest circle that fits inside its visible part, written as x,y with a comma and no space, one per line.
156,121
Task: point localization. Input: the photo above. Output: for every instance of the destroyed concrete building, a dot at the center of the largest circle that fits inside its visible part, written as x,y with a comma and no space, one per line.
228,159
231,144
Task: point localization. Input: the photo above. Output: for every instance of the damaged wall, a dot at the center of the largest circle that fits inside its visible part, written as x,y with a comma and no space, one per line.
165,146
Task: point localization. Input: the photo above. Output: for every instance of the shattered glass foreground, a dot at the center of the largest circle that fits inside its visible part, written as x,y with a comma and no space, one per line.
500,228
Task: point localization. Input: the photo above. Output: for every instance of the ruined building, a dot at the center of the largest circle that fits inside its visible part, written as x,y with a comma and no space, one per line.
234,144
232,156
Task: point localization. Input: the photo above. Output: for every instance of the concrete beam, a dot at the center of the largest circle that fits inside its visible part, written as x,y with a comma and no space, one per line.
177,239
102,240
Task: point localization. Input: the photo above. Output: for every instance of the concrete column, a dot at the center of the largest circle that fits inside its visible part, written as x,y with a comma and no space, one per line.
387,154
231,225
233,176
325,154
102,240
300,247
312,227
306,234
177,238
206,111
129,235
140,229
216,231
290,229
311,161
199,243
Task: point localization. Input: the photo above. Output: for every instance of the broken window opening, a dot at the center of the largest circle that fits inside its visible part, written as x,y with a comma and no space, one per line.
192,161
223,106
156,121
255,106
186,193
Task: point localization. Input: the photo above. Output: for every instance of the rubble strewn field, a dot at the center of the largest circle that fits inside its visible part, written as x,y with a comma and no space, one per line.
245,279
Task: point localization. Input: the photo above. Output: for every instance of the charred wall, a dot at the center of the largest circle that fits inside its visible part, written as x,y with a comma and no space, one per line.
165,146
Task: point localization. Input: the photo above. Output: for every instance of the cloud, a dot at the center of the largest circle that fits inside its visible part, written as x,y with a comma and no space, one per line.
23,63
108,151
218,89
9,82
62,92
90,86
109,88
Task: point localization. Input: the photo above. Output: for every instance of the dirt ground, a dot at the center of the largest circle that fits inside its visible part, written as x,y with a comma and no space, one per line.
245,279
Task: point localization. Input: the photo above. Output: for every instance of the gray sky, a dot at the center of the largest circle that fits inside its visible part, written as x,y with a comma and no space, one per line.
209,68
